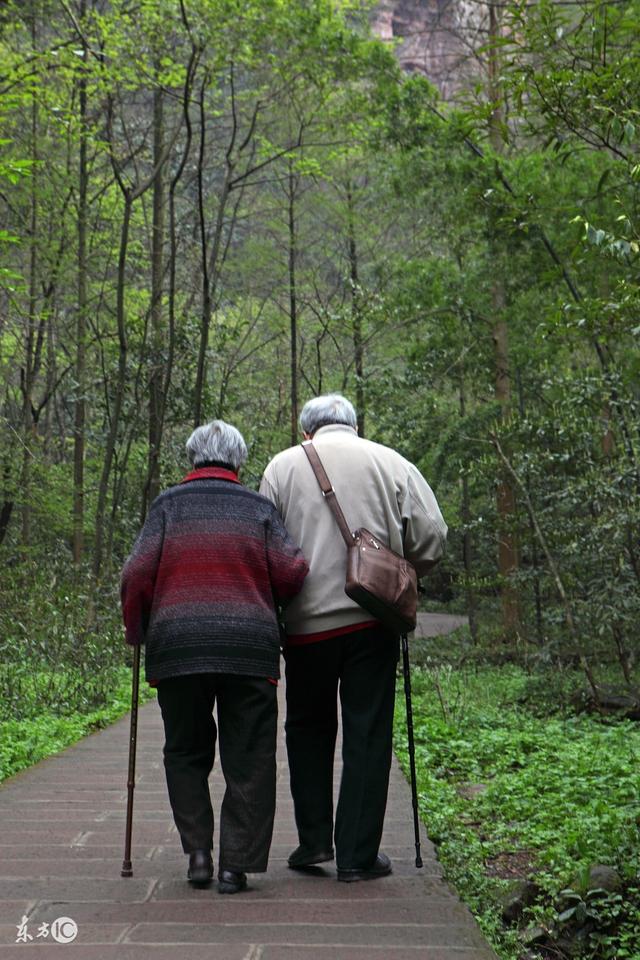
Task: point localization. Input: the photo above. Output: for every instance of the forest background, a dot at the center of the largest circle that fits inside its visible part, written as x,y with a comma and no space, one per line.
219,209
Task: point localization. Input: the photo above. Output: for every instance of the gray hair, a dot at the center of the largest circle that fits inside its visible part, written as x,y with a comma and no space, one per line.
327,409
217,441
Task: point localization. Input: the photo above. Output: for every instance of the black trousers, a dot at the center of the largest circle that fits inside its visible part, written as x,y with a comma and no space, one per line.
247,712
362,667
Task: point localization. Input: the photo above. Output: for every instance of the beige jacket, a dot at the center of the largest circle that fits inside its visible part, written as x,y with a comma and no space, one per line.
377,489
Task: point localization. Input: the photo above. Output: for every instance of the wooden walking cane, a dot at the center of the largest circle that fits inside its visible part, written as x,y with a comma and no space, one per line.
412,752
127,869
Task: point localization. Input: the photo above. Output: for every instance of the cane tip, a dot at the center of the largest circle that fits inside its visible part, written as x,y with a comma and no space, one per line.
127,869
419,862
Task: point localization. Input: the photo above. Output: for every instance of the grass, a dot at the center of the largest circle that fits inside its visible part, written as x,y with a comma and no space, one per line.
63,660
508,793
25,741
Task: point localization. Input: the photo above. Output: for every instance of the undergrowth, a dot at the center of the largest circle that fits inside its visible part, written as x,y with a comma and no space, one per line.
63,662
25,742
510,794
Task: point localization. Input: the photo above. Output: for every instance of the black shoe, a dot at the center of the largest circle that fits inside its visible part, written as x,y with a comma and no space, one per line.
231,882
381,868
200,870
301,857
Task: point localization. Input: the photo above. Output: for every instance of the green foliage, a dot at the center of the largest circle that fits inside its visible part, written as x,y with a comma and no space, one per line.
554,795
63,660
26,741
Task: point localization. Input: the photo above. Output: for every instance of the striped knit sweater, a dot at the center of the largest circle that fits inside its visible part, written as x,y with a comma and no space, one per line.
206,572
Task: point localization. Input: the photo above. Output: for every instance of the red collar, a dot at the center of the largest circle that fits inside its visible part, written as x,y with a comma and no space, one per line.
211,473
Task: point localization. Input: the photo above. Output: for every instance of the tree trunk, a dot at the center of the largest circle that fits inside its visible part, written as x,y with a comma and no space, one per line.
5,517
506,501
293,307
467,540
28,370
535,560
156,377
120,388
81,322
209,259
506,505
356,314
7,504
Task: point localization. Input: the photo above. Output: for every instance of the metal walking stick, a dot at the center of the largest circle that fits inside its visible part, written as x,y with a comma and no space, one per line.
412,752
127,869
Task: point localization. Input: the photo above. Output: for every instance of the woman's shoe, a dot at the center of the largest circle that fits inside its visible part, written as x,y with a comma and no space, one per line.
231,882
200,870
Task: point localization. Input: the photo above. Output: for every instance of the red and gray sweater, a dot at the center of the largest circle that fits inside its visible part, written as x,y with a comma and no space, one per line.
201,586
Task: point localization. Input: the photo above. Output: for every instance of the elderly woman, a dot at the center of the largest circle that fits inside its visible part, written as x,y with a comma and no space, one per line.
200,590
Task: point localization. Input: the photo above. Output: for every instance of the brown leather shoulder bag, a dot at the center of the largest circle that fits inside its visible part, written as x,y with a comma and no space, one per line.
378,578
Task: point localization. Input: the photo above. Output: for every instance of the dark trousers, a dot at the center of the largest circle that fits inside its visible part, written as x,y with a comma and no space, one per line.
362,667
247,712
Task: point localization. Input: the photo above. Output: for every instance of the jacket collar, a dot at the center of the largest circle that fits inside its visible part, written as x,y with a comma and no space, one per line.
334,428
211,473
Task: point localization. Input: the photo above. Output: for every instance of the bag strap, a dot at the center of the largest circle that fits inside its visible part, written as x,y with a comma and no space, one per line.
328,492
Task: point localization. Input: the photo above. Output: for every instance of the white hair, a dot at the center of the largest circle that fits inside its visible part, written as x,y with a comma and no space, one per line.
217,441
327,409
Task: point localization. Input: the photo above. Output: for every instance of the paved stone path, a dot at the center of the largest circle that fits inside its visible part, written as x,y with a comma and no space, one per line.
437,624
61,850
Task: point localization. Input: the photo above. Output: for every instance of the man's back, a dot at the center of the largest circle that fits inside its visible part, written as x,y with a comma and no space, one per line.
377,489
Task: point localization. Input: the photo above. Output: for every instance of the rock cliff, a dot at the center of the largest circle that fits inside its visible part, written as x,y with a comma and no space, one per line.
435,37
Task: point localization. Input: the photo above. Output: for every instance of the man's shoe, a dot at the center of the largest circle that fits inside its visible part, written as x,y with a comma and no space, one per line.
301,858
231,882
381,868
200,870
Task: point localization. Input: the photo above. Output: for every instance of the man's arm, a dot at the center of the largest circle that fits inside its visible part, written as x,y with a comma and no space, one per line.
425,532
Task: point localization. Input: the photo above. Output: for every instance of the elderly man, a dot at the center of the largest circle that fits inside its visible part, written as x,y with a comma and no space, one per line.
200,589
333,644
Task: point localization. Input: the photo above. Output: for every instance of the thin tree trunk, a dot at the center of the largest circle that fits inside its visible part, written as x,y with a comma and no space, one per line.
5,517
50,387
173,249
293,306
356,314
156,378
624,655
28,372
120,388
506,501
173,240
535,560
506,505
7,504
81,322
206,286
209,260
467,540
